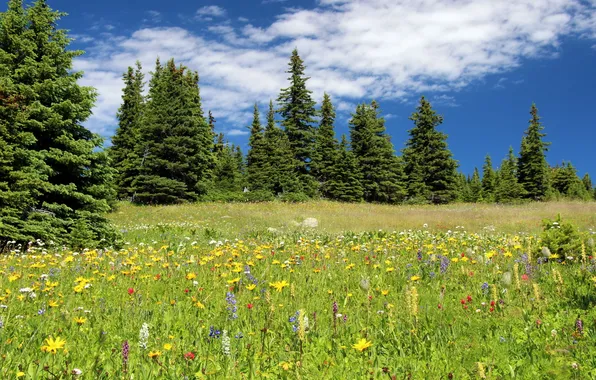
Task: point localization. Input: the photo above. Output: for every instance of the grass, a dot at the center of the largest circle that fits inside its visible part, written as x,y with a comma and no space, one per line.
225,220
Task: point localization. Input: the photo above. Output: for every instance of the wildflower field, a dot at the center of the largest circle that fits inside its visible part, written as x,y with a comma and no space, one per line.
190,301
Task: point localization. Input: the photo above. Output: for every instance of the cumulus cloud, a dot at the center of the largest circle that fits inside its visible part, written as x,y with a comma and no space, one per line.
354,49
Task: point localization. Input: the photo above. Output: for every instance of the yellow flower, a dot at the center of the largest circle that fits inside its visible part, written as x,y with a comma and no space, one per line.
384,292
279,285
53,345
154,354
251,287
200,305
414,278
362,345
80,320
191,276
234,280
13,277
389,269
167,346
20,374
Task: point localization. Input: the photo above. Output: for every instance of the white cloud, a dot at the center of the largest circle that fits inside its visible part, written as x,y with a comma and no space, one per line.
211,11
237,132
355,50
444,100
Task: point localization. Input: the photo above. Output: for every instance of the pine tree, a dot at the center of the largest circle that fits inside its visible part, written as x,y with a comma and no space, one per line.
256,162
475,186
382,171
508,189
281,163
54,177
176,149
587,181
532,165
326,147
297,109
123,152
463,188
227,174
344,181
564,181
429,165
488,180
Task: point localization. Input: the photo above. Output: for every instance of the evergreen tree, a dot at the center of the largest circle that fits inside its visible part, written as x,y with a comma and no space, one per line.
281,163
176,149
508,189
566,182
532,165
227,174
257,164
54,176
297,109
587,181
123,152
463,188
475,186
326,147
488,180
344,178
429,165
382,171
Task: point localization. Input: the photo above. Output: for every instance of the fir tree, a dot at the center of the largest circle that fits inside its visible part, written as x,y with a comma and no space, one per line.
488,180
326,147
297,109
382,172
344,180
587,181
566,182
54,176
176,149
463,188
475,186
256,162
508,189
227,174
281,163
429,165
532,165
123,152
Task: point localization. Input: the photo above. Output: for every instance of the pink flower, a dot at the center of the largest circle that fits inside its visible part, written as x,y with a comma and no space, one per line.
131,291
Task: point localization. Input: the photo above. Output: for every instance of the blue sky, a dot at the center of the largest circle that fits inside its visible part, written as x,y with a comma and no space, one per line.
480,62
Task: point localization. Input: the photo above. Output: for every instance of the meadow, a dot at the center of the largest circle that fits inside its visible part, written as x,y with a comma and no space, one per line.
250,291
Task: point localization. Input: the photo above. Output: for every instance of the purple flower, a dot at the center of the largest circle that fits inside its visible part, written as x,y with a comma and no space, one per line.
125,350
419,255
232,308
579,325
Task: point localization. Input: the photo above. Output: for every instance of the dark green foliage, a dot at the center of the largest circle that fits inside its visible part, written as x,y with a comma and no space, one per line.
176,145
429,165
123,152
566,183
227,175
382,172
508,189
561,238
532,165
297,109
345,180
489,180
326,147
463,188
257,164
281,164
54,178
475,187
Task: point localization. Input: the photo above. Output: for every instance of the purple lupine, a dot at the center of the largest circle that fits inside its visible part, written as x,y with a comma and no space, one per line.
485,287
335,309
419,255
232,308
444,264
213,333
125,350
579,325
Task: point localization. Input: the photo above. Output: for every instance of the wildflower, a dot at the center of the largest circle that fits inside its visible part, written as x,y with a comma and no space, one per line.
191,276
154,354
484,287
251,287
249,306
80,320
52,345
125,351
362,345
232,309
76,372
52,303
144,336
167,346
579,325
131,291
189,356
279,285
200,305
20,374
553,333
225,343
213,333
385,292
389,269
414,278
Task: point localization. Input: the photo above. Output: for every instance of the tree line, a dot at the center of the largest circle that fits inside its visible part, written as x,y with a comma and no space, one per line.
57,181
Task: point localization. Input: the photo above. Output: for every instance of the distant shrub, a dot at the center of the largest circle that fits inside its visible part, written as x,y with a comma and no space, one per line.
561,238
294,197
258,196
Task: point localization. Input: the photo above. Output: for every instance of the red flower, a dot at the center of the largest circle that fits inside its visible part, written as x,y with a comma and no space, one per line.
131,291
439,306
525,277
463,301
492,309
189,356
469,298
492,303
463,254
186,290
471,274
538,322
249,306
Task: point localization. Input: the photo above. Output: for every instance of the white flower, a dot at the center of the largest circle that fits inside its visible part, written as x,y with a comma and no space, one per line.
77,372
32,295
225,343
144,336
553,333
25,290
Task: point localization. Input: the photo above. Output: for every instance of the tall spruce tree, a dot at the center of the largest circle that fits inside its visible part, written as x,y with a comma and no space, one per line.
256,163
297,109
281,162
475,185
382,171
489,180
533,170
176,149
227,175
429,165
344,178
123,151
54,176
508,189
326,146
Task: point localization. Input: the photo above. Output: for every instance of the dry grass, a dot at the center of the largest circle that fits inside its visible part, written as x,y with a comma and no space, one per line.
237,219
